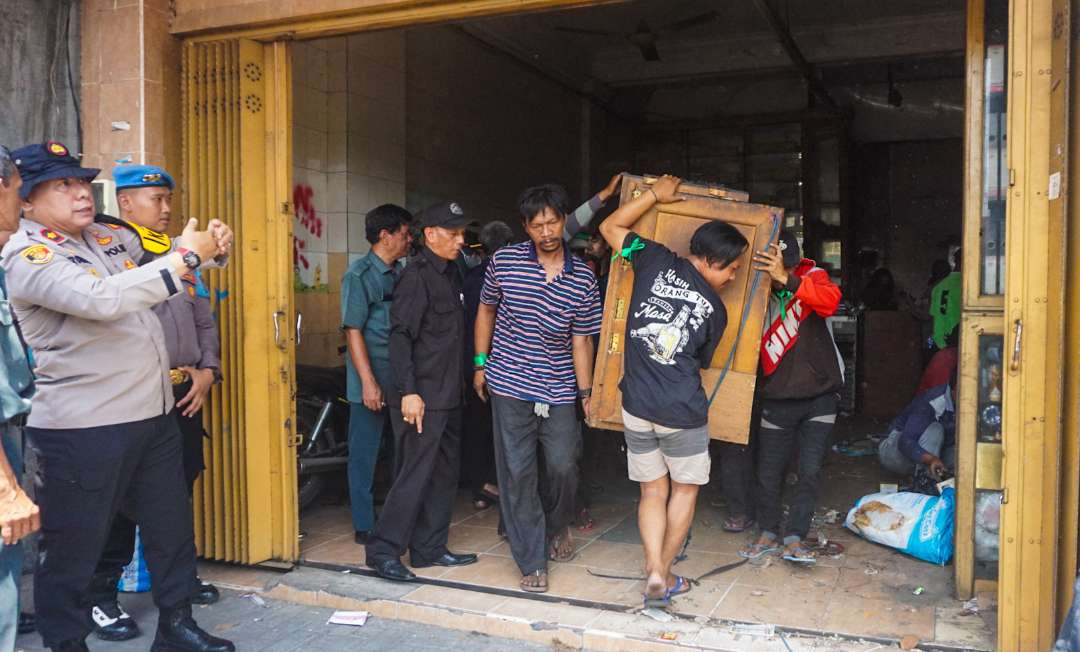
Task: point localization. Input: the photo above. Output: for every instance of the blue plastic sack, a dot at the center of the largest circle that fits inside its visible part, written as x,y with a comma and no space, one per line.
916,524
136,576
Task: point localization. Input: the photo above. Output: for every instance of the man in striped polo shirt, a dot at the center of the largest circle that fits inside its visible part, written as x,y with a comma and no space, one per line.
539,308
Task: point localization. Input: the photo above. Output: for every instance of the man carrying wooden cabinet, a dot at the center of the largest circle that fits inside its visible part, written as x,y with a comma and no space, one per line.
675,322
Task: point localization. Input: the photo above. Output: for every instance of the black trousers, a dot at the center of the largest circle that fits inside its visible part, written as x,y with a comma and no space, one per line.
120,545
478,444
86,477
416,513
737,475
787,426
535,506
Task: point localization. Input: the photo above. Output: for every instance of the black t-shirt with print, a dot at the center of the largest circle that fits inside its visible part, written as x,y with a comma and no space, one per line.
674,323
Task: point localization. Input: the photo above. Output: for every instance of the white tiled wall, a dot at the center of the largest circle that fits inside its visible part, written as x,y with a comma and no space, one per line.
348,140
375,150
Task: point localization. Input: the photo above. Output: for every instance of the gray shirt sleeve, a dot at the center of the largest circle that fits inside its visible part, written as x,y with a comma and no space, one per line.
62,286
209,343
581,217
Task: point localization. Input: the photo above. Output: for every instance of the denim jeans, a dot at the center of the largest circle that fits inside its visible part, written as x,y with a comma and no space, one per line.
11,557
787,426
932,441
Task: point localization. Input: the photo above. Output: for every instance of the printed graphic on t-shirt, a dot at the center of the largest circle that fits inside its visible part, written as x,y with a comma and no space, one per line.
667,323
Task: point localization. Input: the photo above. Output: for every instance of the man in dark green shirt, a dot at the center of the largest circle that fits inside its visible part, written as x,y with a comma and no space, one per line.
366,294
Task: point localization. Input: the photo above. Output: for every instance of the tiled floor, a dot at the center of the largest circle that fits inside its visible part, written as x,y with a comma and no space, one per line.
866,591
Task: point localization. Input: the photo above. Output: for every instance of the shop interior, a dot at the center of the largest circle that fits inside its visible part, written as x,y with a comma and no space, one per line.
849,115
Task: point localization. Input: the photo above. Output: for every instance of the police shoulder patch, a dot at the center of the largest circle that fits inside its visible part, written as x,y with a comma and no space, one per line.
38,254
53,236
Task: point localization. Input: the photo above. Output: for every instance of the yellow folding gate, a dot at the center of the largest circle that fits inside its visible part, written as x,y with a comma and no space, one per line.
236,142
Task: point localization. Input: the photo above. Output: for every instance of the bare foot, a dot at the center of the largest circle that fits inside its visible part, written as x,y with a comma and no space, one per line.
561,547
655,587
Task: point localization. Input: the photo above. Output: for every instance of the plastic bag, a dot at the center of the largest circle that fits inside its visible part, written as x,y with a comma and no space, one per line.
136,576
916,524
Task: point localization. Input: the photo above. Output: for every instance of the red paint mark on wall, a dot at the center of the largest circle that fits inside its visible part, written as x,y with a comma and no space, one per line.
303,201
297,253
304,205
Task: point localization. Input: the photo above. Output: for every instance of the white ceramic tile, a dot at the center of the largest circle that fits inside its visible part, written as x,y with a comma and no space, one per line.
336,112
337,194
359,198
359,155
395,192
314,150
357,241
337,157
309,108
337,232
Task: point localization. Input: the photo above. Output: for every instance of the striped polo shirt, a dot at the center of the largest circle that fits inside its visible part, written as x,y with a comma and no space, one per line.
531,357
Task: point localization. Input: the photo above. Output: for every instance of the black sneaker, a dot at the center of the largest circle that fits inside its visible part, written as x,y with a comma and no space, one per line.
112,623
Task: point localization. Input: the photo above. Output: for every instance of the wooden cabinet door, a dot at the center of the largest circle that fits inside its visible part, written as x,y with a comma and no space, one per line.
673,225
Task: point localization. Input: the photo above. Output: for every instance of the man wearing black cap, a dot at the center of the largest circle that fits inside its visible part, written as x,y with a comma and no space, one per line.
801,373
427,330
100,424
144,193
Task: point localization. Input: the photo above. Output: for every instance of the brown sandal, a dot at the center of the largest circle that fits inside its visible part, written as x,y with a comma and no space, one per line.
541,585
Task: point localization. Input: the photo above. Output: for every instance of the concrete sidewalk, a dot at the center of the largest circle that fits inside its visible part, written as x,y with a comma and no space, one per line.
276,626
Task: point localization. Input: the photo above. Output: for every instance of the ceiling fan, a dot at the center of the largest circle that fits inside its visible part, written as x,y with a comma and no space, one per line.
645,37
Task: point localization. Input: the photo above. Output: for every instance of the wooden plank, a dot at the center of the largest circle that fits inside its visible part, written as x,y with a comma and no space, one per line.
673,225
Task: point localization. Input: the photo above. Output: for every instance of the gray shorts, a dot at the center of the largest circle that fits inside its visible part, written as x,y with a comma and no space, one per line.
653,451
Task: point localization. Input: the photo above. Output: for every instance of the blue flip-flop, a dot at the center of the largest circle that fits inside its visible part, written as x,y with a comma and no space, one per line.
801,556
758,550
682,585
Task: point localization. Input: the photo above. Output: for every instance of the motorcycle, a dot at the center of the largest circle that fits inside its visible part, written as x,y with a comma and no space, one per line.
322,415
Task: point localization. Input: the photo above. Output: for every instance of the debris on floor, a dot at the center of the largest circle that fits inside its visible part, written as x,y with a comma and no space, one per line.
909,642
748,629
255,598
354,618
971,607
918,590
659,615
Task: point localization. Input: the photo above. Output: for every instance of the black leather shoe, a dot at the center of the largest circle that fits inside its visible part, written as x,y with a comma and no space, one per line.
71,646
178,632
27,623
112,623
205,593
392,569
447,559
361,537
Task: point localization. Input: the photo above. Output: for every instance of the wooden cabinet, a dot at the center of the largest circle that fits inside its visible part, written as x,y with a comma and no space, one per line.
673,225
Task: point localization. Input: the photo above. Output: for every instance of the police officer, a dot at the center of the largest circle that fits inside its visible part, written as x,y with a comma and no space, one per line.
144,194
100,423
427,331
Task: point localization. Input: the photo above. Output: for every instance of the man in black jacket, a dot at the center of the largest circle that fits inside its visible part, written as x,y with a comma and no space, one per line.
427,337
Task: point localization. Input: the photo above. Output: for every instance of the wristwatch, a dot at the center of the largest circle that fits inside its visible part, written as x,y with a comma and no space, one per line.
190,258
584,393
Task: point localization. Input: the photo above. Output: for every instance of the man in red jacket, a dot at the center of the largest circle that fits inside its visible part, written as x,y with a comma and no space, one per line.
800,375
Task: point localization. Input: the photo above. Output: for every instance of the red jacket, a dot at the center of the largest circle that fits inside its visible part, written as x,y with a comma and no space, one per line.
798,357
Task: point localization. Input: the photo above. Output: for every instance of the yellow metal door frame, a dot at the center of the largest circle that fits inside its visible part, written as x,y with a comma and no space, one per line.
1034,294
237,140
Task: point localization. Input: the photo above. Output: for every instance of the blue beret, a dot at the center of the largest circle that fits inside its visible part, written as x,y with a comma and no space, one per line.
47,161
141,176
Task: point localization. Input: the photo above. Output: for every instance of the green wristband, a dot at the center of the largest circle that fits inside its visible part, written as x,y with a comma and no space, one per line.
480,359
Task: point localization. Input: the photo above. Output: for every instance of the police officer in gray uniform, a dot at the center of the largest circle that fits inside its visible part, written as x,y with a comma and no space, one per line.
144,193
100,423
